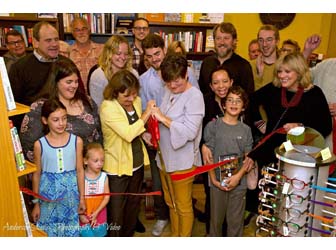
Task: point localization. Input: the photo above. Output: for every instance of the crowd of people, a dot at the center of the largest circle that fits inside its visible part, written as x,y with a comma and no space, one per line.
90,105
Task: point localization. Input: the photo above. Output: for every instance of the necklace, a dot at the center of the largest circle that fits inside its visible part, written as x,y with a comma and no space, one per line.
295,99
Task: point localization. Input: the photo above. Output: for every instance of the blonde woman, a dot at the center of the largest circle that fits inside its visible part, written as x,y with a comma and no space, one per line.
289,101
116,55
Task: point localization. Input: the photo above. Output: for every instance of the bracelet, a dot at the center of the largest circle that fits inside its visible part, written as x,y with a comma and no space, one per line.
35,201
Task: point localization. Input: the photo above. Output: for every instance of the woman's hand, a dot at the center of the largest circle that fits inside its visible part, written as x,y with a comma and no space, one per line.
332,109
161,117
248,164
289,126
148,111
147,138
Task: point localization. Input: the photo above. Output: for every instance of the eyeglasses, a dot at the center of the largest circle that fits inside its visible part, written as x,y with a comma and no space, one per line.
14,43
234,101
276,196
287,226
81,30
267,40
141,28
294,213
282,179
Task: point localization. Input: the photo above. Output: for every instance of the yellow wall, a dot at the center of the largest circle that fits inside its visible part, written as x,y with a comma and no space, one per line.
303,25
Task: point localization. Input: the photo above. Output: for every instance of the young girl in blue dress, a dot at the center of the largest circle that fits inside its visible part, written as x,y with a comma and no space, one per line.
59,176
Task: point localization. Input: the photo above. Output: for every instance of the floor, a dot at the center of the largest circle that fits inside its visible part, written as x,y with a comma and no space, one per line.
199,227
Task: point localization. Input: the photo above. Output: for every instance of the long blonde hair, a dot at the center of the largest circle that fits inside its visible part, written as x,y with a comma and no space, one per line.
111,47
296,62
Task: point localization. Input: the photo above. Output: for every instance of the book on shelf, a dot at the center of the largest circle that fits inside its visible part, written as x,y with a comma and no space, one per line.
18,152
21,29
124,23
100,23
6,86
192,40
209,41
172,17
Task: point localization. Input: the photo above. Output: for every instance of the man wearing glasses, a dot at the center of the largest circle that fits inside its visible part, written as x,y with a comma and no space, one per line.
16,48
268,39
140,31
84,52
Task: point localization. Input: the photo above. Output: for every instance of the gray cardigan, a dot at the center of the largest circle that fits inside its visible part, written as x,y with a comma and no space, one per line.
179,144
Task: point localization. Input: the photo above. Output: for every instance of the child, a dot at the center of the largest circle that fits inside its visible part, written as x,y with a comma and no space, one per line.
225,137
93,224
59,175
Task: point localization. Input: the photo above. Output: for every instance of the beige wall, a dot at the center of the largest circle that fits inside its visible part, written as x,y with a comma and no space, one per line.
303,25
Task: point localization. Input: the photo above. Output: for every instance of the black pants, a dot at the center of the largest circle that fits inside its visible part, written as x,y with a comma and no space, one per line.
122,210
160,207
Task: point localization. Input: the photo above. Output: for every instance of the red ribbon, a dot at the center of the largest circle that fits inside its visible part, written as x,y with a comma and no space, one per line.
205,168
32,193
136,194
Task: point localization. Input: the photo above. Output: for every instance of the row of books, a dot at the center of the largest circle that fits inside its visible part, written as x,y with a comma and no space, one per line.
103,23
193,41
27,34
18,152
185,17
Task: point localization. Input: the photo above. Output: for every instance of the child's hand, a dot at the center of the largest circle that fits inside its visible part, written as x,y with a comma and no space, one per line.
217,184
232,182
36,212
81,207
83,218
93,219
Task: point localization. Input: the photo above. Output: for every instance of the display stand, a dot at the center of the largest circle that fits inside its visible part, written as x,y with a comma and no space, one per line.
313,171
294,200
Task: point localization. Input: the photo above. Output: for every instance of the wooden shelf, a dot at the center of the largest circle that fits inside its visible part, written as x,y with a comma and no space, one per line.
20,109
4,49
37,232
178,24
30,168
27,19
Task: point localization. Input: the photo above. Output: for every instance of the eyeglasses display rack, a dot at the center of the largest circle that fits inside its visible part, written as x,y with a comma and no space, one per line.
296,199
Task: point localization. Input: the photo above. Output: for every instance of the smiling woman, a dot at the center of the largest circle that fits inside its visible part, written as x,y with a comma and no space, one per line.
64,83
123,123
289,101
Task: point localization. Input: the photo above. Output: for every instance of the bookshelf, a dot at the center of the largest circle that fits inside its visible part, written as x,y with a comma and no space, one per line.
177,27
102,25
155,26
11,214
26,22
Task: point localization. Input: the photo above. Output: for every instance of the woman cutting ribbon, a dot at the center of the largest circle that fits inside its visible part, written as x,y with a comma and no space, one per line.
180,116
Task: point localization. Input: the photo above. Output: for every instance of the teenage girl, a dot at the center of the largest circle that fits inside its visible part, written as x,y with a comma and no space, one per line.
93,223
59,176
